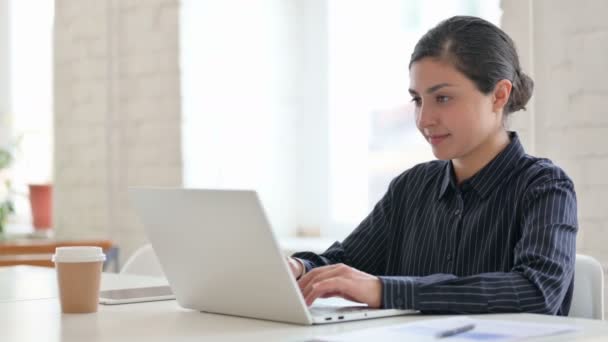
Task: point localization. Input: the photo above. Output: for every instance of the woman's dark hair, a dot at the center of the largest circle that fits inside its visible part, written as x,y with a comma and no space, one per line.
482,52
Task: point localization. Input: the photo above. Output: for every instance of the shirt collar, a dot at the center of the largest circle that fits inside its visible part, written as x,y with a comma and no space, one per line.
491,175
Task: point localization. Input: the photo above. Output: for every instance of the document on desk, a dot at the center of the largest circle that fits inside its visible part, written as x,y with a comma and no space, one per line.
453,329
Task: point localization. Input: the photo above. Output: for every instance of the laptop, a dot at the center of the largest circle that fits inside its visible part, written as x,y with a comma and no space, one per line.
219,255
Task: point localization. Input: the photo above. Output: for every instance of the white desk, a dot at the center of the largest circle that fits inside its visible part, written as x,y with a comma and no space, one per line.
18,283
34,315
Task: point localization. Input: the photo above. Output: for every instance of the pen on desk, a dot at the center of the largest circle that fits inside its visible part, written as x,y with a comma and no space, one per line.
455,331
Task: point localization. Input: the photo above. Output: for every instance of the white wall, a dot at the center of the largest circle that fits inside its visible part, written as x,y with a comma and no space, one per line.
5,131
518,21
117,113
568,45
312,136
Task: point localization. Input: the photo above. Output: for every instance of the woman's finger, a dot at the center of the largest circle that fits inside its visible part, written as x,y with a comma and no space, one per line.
331,285
338,271
308,277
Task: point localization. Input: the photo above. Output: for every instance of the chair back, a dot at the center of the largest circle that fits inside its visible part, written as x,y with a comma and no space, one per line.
588,296
143,262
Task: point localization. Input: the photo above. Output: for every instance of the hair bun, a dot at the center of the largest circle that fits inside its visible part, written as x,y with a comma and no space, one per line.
521,92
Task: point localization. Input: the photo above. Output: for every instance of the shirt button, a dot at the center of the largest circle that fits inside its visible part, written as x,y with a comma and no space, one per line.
449,257
457,212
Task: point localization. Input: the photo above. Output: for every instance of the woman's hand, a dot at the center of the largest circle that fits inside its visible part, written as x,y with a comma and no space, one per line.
341,281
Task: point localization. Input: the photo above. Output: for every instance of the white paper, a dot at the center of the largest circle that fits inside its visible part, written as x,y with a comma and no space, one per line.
485,330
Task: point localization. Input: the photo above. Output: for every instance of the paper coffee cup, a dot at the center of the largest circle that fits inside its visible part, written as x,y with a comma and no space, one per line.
78,277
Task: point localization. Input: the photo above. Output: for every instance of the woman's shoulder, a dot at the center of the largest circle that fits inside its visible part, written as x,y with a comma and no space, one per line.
539,171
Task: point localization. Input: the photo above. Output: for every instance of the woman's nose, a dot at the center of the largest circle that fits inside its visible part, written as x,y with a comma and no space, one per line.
426,117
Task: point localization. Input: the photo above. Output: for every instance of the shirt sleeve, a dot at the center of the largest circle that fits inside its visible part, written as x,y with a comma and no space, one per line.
365,248
538,282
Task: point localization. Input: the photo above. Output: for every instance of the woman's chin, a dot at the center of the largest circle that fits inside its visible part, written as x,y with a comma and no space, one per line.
442,154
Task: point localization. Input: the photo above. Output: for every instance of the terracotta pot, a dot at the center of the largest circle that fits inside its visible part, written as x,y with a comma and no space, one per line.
41,200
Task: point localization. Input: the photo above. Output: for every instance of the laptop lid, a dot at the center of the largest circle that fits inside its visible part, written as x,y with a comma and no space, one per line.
218,253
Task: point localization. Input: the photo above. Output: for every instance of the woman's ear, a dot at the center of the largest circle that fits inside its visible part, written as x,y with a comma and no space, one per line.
502,90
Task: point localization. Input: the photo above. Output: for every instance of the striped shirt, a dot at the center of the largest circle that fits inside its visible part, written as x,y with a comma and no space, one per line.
502,241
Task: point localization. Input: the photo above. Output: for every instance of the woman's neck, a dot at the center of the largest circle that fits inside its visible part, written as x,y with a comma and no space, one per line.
467,166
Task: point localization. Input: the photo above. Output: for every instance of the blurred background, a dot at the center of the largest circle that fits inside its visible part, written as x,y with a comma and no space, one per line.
304,101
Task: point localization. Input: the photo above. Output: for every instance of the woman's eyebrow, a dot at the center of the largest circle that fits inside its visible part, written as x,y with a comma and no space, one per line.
432,89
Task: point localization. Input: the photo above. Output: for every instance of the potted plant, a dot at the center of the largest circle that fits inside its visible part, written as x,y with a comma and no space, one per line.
41,201
6,192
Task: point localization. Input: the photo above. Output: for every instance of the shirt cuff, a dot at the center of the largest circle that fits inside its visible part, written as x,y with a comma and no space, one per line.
304,268
398,293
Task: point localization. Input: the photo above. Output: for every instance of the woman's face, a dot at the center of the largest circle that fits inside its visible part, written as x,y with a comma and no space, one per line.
451,113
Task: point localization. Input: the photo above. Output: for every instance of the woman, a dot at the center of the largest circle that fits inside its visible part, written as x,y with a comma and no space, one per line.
486,227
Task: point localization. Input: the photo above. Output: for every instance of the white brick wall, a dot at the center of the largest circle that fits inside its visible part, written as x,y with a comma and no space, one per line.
568,42
524,121
117,112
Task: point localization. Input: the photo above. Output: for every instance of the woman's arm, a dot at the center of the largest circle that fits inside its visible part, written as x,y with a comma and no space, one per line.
365,248
538,282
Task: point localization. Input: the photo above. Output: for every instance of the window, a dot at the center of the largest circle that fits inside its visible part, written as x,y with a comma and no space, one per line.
305,101
30,95
373,136
239,100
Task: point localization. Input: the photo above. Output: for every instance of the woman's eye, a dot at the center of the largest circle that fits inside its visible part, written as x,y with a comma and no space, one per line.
442,99
417,101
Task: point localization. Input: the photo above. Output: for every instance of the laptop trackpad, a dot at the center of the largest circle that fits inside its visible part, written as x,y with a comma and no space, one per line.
336,302
323,306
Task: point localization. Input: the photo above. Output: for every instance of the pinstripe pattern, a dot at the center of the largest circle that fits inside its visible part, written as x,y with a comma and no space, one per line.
502,241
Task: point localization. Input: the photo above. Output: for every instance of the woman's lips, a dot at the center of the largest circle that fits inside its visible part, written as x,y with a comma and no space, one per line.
436,139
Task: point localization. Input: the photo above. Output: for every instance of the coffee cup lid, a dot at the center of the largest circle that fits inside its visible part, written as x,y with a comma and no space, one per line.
78,254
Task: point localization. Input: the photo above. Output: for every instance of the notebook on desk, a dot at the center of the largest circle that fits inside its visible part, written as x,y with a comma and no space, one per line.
219,255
